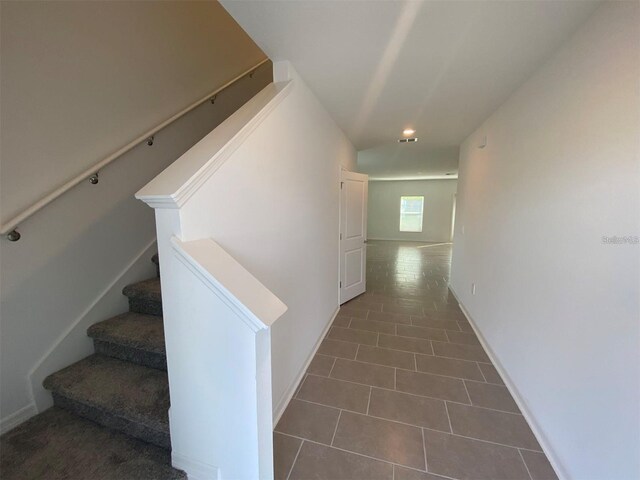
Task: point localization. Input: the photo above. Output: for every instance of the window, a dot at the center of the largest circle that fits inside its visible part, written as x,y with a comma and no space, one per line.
411,214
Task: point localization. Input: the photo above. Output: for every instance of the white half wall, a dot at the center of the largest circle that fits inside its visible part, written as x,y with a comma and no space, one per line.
557,306
384,209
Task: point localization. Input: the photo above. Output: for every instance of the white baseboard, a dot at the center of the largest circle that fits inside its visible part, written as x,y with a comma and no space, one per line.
16,418
522,405
194,469
286,398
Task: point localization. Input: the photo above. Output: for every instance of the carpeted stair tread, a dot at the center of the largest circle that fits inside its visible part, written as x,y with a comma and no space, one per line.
119,394
145,296
146,290
58,445
135,330
134,337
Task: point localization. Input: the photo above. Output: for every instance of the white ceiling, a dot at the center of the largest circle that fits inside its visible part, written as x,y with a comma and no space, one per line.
441,67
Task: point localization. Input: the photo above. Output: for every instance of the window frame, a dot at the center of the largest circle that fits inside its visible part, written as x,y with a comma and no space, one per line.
421,214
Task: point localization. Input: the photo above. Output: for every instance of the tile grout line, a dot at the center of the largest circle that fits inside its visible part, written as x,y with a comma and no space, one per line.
426,339
446,407
482,373
369,401
409,393
412,324
414,353
295,459
335,360
404,423
372,322
304,379
432,354
325,406
363,455
525,464
487,382
467,390
424,451
336,429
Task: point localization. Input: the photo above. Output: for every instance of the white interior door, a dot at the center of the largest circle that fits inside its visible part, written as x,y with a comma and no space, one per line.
354,188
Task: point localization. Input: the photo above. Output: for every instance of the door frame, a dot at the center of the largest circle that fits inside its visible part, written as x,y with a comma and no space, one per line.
340,183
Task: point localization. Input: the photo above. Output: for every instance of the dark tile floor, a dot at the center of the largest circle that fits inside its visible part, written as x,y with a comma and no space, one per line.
401,388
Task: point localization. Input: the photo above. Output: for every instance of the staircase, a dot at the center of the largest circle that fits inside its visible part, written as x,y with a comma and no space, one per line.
222,423
124,385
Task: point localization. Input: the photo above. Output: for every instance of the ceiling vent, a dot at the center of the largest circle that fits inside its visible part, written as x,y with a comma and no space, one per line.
408,140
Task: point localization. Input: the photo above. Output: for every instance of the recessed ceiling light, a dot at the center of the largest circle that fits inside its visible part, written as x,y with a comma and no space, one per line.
407,132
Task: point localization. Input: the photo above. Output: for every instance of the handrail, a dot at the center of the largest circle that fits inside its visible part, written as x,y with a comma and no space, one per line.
9,228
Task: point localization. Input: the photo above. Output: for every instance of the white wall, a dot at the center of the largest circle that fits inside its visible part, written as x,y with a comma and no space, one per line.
384,209
68,269
275,209
558,308
273,205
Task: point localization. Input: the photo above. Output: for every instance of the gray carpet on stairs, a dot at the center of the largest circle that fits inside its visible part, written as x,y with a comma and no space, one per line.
130,398
134,337
57,445
145,296
110,420
144,332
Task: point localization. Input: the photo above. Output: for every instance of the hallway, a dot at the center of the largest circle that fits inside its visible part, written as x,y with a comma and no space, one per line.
401,387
